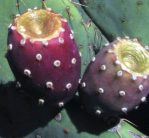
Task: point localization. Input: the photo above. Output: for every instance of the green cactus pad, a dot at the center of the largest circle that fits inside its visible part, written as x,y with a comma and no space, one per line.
120,17
5,17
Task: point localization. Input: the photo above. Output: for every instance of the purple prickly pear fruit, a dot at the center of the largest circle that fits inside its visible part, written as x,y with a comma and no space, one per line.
43,54
116,80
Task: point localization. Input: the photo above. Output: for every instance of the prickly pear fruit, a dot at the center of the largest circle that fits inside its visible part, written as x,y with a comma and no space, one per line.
43,55
116,80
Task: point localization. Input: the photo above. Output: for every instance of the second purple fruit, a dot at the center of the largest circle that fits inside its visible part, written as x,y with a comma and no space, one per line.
117,79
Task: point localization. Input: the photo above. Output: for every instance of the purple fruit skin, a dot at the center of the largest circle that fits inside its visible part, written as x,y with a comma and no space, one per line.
110,101
64,75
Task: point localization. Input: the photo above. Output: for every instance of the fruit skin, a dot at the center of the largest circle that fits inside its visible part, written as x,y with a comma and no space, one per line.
51,67
104,89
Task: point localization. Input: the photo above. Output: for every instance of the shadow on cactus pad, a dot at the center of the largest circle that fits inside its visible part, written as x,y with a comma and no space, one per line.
85,122
140,117
20,114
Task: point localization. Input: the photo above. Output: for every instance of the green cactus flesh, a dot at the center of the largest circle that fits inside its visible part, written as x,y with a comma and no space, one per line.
120,17
5,72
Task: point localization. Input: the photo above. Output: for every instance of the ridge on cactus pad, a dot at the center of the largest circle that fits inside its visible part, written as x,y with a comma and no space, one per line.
43,55
116,80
